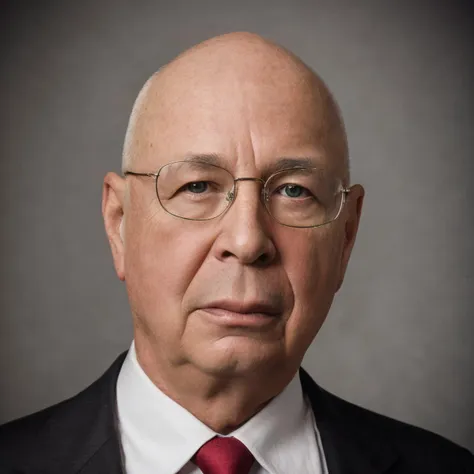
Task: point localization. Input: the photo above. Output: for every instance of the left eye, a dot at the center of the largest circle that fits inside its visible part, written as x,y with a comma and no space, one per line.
293,191
197,187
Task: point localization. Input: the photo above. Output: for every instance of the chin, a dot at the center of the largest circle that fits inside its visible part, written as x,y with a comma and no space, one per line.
240,358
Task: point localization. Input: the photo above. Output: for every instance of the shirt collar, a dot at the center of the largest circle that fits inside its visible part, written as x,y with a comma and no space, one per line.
162,436
282,435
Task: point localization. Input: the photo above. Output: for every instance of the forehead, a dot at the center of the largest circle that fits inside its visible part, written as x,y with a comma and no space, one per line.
250,118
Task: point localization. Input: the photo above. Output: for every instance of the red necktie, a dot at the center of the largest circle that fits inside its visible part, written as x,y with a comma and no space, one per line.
223,456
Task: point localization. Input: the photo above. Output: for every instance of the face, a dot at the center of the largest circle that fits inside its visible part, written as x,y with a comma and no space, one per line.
240,293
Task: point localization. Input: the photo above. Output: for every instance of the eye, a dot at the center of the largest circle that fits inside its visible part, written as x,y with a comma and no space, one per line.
293,191
196,187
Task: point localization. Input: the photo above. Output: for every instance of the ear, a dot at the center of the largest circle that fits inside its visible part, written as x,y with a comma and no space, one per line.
353,212
113,195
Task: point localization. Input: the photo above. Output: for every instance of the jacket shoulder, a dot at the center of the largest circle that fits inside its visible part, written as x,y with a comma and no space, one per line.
419,450
62,437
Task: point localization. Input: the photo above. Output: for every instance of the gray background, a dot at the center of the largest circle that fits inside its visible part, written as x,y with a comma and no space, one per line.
399,338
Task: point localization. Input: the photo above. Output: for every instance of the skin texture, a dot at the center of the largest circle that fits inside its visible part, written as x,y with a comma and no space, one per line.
250,102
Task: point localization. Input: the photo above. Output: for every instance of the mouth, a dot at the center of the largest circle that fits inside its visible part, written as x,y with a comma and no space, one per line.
238,314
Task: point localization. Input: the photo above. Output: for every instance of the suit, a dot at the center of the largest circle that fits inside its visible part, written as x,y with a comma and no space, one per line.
80,436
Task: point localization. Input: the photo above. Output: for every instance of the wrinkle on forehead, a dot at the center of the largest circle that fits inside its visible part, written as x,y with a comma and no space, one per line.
271,79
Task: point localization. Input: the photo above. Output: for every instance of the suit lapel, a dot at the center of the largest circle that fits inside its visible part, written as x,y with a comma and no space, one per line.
349,447
106,459
104,453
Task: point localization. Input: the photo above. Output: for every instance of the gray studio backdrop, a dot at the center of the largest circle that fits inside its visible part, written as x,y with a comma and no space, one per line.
400,336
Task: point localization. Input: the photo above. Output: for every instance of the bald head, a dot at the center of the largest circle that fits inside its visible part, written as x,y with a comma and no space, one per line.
238,74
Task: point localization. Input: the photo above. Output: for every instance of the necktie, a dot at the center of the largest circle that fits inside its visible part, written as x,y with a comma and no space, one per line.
223,455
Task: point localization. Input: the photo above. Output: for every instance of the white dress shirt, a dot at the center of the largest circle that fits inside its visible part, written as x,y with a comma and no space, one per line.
159,436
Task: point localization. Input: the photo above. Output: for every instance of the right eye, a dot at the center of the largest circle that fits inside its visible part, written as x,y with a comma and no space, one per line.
196,187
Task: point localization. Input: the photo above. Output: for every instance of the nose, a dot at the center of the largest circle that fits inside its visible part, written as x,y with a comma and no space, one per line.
244,234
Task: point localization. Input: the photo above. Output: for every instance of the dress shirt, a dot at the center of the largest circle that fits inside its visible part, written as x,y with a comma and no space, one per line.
159,436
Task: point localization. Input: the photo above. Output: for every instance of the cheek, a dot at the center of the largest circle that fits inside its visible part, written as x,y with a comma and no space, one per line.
162,257
312,266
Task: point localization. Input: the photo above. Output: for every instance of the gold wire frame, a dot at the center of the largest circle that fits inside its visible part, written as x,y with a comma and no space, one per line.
232,193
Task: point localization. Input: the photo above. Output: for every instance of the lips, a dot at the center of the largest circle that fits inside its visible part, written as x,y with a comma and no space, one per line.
238,314
239,307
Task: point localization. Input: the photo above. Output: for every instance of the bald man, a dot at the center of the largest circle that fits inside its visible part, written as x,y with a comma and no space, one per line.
231,225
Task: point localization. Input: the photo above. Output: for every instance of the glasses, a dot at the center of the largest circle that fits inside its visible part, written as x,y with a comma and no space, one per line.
294,197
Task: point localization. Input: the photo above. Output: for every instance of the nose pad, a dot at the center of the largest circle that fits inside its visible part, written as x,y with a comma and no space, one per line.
232,194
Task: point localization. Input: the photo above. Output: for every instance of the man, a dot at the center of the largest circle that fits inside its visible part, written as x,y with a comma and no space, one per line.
232,227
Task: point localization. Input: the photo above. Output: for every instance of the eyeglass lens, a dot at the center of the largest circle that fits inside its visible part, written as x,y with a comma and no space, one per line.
297,197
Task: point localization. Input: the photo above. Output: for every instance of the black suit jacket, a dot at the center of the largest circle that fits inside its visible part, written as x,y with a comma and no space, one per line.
80,435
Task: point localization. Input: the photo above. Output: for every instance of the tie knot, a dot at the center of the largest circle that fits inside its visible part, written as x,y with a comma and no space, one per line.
223,455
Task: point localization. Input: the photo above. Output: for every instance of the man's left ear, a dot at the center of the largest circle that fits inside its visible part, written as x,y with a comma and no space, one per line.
352,213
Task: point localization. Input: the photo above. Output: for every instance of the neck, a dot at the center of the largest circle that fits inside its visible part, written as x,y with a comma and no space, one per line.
223,403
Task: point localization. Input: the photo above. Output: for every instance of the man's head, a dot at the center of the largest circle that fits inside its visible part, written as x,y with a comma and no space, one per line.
249,105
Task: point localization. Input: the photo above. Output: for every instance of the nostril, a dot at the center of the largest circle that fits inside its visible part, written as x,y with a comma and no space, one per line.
263,259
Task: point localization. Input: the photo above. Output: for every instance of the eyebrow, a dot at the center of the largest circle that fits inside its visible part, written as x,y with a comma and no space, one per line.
209,158
279,165
287,162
